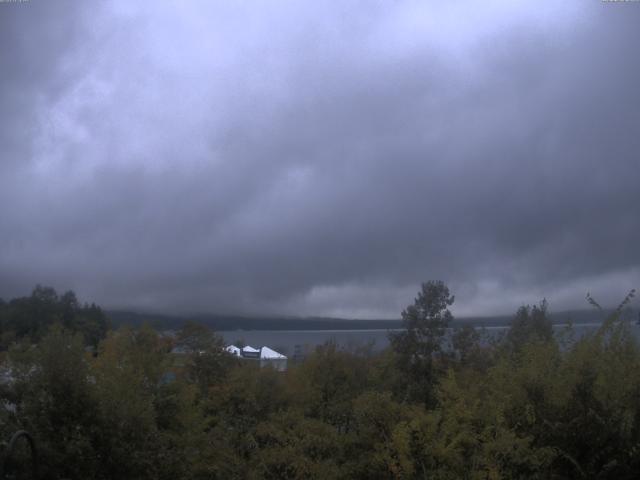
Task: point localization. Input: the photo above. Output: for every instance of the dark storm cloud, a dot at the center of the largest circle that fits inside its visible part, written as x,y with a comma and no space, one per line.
33,41
320,159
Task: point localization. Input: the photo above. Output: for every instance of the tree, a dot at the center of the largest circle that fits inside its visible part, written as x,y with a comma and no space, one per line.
207,360
55,401
420,344
328,382
529,325
467,348
92,323
34,315
127,373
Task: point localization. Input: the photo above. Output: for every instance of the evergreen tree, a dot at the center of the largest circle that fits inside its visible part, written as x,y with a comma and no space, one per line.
419,346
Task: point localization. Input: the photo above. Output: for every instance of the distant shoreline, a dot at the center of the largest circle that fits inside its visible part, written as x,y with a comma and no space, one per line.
241,323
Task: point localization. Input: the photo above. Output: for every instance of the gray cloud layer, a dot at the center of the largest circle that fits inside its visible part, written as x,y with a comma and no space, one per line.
321,158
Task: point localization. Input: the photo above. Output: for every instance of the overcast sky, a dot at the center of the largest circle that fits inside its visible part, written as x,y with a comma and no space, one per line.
320,157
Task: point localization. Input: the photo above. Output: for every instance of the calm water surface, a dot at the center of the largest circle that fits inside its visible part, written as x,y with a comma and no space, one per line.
285,341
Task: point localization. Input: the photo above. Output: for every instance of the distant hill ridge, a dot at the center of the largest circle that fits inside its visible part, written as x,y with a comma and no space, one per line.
238,322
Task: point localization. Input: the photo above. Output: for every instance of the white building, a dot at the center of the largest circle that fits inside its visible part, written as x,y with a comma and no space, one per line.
272,358
233,350
266,356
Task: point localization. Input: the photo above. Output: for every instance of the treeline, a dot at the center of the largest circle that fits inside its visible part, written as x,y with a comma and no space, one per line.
29,318
119,318
230,322
529,405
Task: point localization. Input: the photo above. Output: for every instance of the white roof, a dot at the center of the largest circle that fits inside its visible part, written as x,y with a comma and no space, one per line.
233,350
250,349
266,352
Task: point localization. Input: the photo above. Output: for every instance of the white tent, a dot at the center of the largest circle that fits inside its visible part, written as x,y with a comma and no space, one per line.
273,359
233,350
250,352
268,353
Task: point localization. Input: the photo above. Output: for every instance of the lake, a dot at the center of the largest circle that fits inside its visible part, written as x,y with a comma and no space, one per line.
285,341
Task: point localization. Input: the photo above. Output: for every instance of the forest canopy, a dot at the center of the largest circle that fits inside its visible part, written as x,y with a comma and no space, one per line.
440,402
31,317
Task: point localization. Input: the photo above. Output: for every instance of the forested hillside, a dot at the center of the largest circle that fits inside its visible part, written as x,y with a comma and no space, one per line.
530,405
29,318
